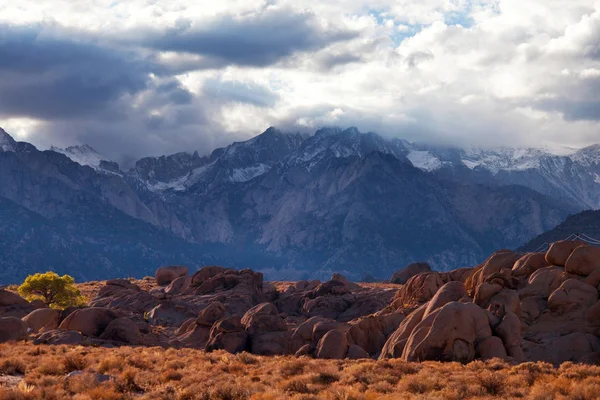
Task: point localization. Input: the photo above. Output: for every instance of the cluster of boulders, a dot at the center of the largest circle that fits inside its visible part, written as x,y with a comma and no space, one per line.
518,307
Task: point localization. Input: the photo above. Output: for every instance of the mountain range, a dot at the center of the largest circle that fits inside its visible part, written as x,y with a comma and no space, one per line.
290,205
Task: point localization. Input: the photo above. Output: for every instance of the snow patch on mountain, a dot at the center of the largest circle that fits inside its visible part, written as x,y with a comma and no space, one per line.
424,160
7,143
239,175
83,155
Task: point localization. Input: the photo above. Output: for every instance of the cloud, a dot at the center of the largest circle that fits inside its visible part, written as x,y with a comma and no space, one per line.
243,92
258,39
147,78
46,73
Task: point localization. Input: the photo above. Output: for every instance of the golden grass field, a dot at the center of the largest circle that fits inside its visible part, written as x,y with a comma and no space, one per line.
30,371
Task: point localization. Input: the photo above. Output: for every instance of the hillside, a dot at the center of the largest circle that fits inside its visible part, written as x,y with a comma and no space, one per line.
586,224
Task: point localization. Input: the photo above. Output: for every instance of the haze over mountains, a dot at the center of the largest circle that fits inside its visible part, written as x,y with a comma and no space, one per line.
289,205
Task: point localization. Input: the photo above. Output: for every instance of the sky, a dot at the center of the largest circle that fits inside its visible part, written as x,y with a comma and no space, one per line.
134,78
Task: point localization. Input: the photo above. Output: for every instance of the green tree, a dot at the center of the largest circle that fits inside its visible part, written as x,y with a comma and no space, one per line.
55,291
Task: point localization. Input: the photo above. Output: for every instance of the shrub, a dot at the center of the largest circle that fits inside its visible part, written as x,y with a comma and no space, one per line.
55,291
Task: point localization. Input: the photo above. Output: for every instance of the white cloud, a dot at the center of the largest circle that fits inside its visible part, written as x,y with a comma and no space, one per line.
485,71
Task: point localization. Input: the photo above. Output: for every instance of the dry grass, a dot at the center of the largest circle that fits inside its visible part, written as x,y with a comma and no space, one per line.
156,373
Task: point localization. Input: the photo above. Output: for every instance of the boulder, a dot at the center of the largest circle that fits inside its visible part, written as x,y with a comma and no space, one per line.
205,273
320,329
341,278
356,352
232,342
460,274
417,290
402,276
263,318
115,287
303,351
89,321
532,307
485,291
12,328
227,325
172,313
448,334
270,343
57,337
583,261
451,291
11,299
542,282
394,345
491,347
560,251
166,275
211,314
122,330
572,294
529,263
42,319
304,331
368,334
574,347
196,336
333,345
179,285
509,331
499,264
223,335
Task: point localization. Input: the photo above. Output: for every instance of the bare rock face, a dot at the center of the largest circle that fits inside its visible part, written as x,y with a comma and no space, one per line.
402,276
12,328
559,252
89,321
42,319
166,275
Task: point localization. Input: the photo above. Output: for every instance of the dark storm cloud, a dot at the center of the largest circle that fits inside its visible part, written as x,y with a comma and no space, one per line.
49,75
577,99
258,40
249,93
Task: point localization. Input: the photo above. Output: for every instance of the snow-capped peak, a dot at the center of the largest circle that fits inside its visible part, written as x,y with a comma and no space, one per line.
83,155
7,143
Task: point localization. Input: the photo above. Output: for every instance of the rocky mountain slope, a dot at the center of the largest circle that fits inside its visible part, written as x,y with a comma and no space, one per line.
584,226
572,178
289,205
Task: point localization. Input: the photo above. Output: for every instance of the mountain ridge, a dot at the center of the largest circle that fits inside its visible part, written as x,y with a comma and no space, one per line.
336,201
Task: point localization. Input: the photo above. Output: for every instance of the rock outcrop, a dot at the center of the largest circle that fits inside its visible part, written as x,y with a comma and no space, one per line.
517,307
